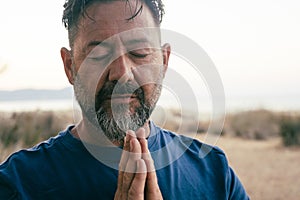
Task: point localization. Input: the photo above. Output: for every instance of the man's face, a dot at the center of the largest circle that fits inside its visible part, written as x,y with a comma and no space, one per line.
117,67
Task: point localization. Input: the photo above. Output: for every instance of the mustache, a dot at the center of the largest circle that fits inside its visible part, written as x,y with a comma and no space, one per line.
112,87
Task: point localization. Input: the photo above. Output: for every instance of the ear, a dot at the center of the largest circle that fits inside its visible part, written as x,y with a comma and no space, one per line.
67,60
166,50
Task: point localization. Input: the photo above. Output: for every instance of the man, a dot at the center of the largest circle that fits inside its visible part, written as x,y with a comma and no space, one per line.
116,65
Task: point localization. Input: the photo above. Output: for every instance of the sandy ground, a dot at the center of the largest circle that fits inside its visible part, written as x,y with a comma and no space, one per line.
267,170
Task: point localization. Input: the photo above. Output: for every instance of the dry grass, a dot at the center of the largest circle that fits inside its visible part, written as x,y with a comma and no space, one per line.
24,129
255,124
267,170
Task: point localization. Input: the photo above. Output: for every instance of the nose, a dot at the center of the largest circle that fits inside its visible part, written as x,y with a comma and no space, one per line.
121,69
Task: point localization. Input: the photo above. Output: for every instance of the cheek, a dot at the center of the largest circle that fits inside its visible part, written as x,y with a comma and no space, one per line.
151,92
93,77
148,74
99,83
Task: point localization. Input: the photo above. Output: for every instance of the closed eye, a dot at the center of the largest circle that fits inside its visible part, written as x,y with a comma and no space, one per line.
98,58
100,53
138,55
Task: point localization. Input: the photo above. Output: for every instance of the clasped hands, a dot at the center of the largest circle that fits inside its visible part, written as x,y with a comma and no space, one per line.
137,177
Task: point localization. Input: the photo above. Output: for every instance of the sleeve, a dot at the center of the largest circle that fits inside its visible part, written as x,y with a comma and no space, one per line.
234,187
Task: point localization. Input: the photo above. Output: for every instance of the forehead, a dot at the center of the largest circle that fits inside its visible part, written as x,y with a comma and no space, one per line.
105,19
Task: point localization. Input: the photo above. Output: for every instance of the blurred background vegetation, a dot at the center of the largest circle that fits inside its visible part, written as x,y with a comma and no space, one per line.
25,129
29,128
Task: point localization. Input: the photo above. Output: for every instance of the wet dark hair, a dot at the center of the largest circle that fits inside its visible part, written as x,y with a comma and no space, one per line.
74,9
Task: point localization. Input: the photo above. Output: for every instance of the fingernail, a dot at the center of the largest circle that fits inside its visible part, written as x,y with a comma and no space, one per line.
131,133
141,166
141,133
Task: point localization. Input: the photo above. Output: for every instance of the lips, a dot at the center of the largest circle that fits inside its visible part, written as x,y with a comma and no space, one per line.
114,93
121,98
116,96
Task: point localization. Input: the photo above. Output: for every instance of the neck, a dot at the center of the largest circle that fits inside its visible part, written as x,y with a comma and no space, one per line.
86,132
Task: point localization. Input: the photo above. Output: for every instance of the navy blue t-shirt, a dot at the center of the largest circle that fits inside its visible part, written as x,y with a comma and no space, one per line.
63,168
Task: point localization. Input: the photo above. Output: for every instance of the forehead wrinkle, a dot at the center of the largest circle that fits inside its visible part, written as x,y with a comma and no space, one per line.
135,35
142,38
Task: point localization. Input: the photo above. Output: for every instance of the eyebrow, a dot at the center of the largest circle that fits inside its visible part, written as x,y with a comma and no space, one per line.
137,41
96,43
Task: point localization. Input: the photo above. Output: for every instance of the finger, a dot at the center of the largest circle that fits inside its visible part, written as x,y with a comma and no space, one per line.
126,148
146,155
122,164
131,167
141,133
123,160
134,154
131,134
152,187
137,187
151,172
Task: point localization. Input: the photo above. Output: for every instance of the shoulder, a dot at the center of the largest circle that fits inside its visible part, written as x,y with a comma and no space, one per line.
190,148
213,160
192,144
28,160
25,154
28,165
203,160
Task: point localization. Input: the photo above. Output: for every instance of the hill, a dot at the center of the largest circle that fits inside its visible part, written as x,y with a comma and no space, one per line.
32,94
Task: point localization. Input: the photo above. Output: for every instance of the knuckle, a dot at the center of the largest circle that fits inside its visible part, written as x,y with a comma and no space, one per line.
133,193
127,177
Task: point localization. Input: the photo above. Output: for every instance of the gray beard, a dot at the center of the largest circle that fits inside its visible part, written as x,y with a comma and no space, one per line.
115,125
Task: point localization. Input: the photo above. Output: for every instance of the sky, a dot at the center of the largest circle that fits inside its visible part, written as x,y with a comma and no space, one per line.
255,45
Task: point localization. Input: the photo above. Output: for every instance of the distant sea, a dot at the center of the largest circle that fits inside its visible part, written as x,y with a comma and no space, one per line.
30,100
29,105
